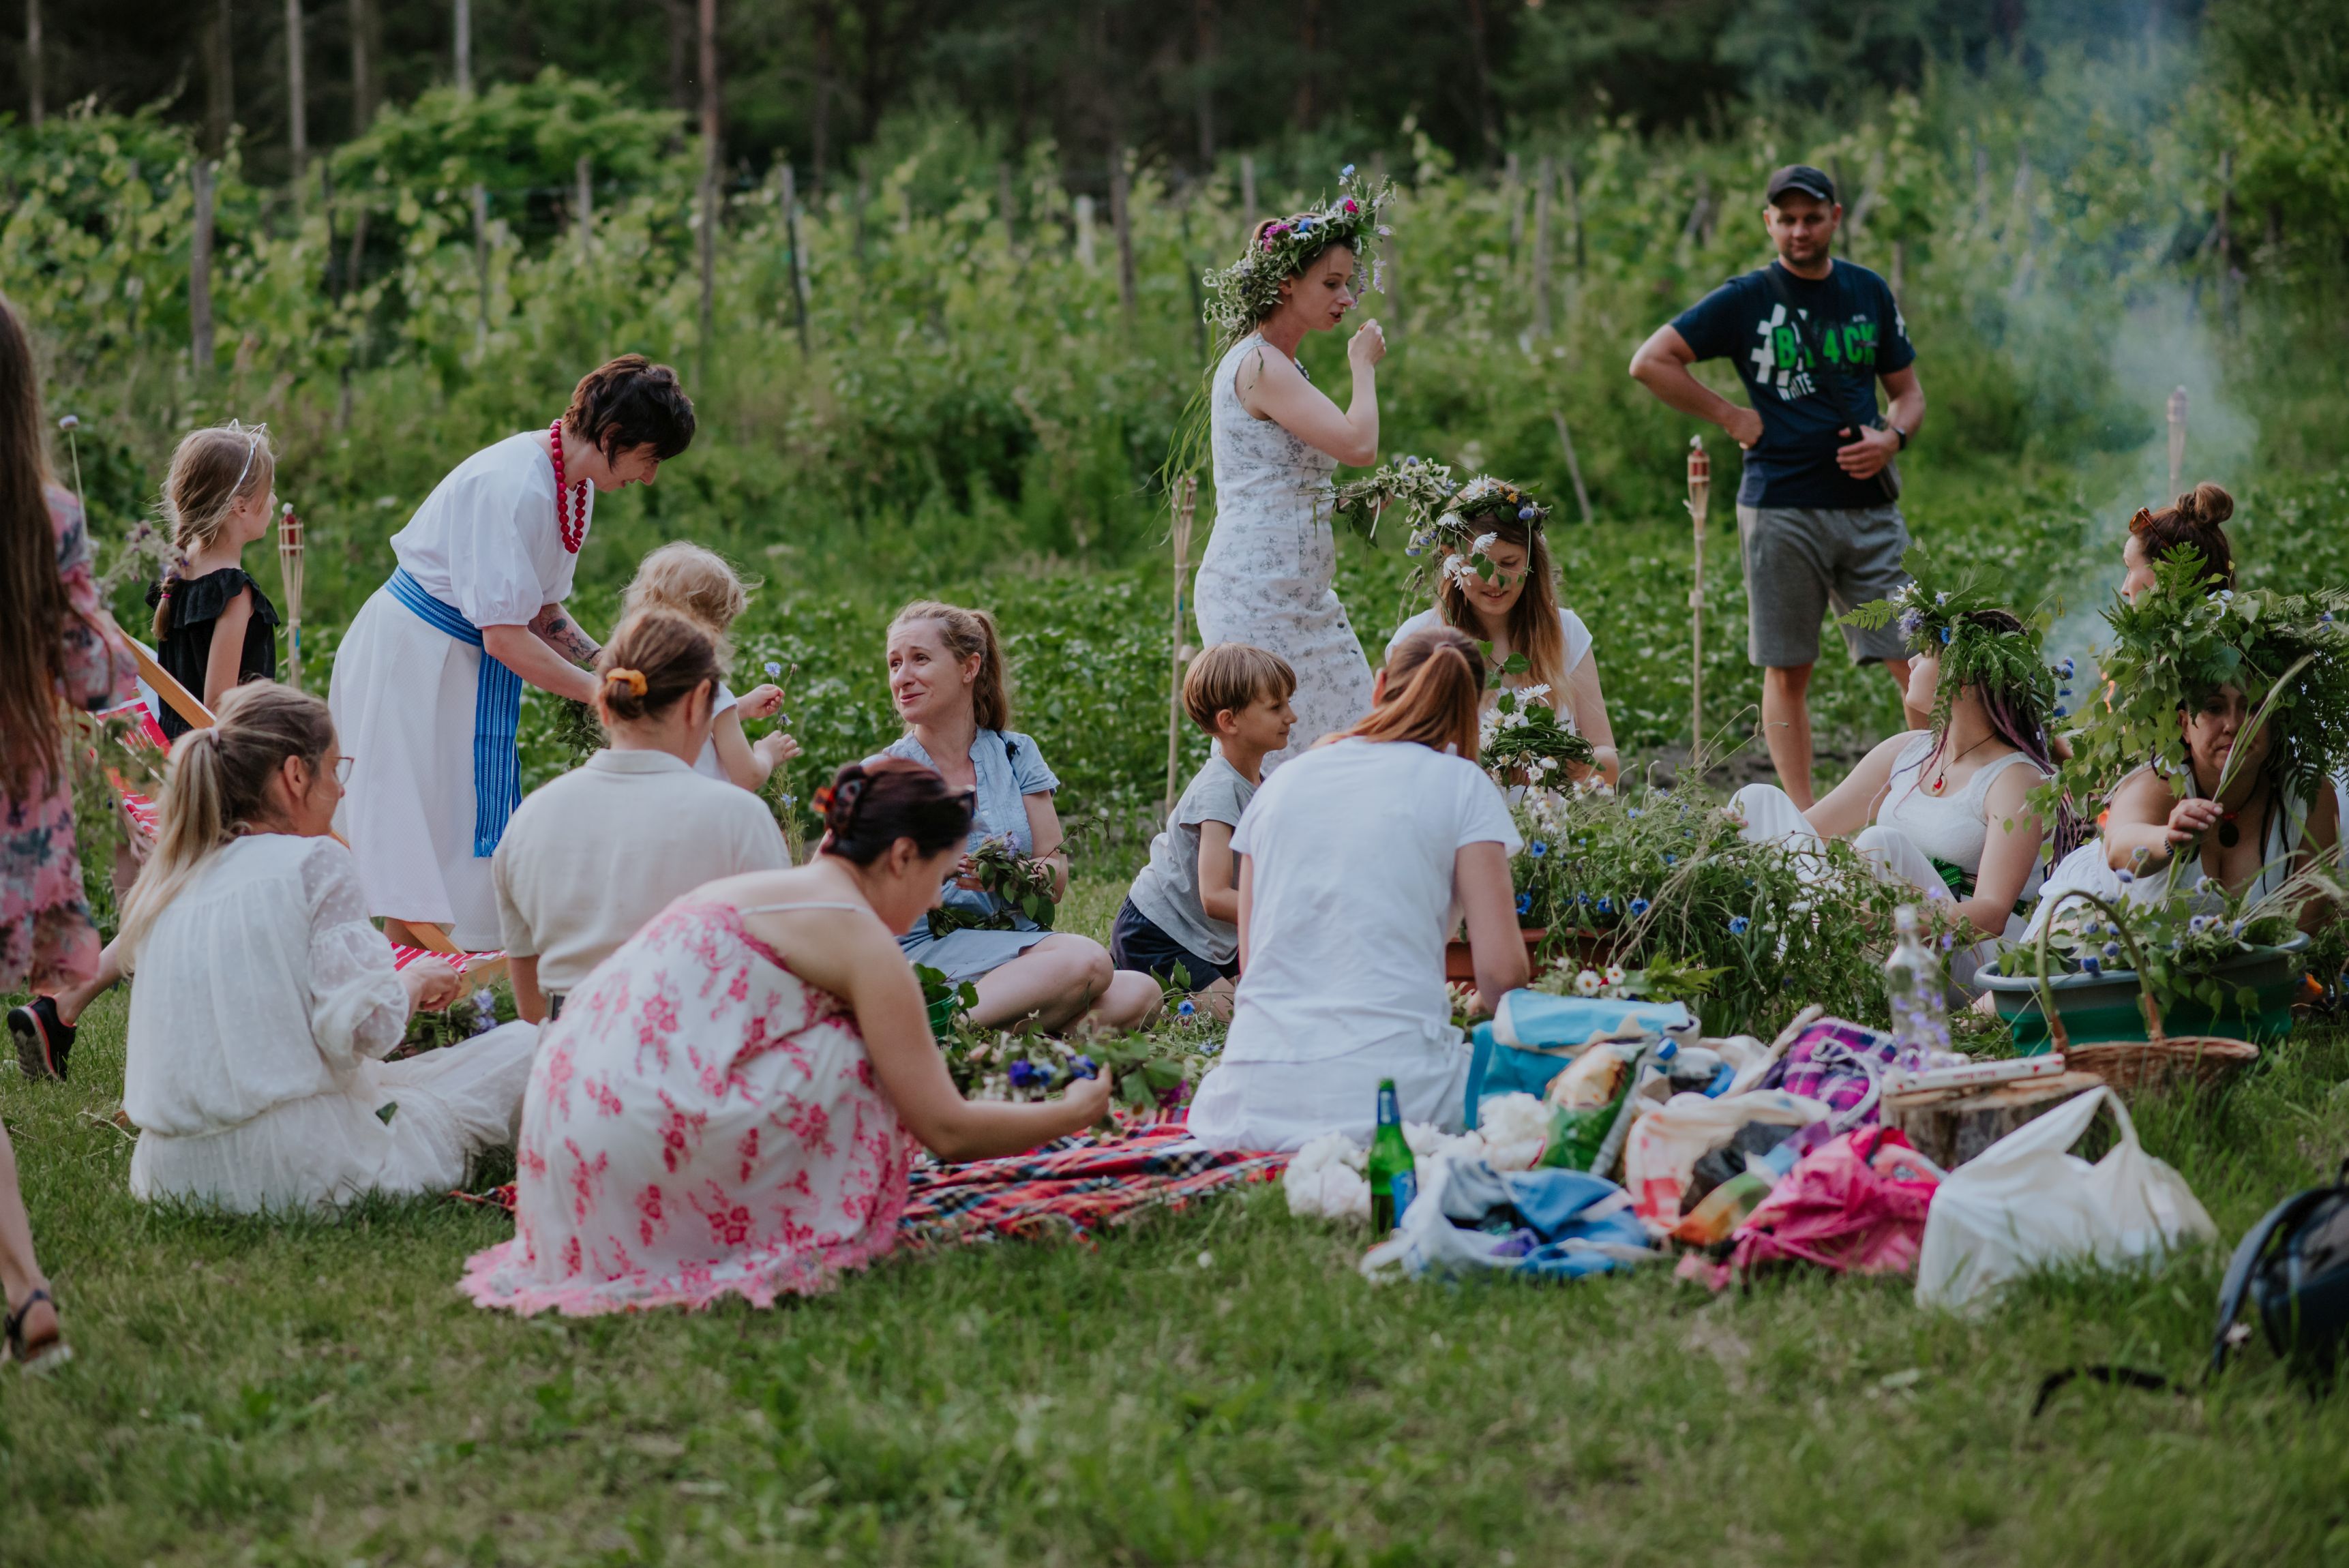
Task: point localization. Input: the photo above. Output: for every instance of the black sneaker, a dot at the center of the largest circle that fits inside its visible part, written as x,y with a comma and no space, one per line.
43,1042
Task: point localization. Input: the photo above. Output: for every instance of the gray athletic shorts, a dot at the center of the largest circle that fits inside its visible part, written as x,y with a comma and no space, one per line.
1800,560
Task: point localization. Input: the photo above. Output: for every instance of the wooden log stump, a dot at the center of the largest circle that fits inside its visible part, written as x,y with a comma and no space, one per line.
1951,1126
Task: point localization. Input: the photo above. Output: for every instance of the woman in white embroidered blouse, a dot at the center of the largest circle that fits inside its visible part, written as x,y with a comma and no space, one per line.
264,1001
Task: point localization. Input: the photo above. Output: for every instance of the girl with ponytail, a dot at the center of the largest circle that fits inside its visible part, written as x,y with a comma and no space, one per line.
1358,860
214,628
266,1002
730,1105
591,856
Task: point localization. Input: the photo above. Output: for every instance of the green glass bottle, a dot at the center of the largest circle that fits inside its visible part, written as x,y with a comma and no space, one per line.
1394,1175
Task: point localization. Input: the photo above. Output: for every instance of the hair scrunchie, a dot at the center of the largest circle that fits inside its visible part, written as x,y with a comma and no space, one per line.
633,679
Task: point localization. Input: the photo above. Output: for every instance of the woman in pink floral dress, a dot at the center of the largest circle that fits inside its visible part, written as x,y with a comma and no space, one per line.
56,642
729,1103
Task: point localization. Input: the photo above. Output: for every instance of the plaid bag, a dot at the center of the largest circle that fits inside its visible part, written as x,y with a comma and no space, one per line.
1839,1064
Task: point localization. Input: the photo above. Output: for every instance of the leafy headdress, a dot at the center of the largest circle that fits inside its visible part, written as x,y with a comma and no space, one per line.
2179,642
1244,293
1957,623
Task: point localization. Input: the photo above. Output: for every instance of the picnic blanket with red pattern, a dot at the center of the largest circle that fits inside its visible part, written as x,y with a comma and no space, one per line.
1074,1186
1071,1187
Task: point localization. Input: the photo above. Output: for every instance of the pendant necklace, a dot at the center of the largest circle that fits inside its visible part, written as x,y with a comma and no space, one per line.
570,520
2230,835
1941,783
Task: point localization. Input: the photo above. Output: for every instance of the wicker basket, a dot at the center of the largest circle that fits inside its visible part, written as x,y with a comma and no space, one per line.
2131,1067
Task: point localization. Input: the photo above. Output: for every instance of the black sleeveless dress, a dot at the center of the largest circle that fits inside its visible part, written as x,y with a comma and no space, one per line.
186,648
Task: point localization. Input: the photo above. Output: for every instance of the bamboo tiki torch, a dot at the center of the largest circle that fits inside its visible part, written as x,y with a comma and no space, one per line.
1186,504
2177,441
70,424
1700,495
289,566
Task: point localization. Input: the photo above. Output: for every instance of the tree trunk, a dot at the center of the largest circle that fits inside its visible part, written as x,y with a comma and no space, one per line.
33,82
1205,71
1122,226
827,43
297,107
200,274
1485,124
1308,42
680,53
220,80
363,89
710,168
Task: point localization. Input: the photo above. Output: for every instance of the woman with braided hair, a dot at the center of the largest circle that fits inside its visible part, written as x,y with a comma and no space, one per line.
730,1105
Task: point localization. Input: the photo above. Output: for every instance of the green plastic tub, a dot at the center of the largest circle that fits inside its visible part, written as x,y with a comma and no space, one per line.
2104,1006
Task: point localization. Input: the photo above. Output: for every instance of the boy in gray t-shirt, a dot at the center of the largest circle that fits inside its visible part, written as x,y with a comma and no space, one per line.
1182,910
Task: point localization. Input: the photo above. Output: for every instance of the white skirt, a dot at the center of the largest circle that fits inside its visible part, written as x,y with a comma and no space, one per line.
403,698
1287,1105
329,1149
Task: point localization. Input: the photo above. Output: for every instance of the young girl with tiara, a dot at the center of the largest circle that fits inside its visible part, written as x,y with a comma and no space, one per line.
697,583
214,628
1497,584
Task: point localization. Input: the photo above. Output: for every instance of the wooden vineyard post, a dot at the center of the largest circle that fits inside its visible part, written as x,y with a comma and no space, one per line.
289,567
1700,495
1186,505
2177,441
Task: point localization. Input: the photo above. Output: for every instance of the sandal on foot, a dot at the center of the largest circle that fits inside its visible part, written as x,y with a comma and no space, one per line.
46,1355
43,1040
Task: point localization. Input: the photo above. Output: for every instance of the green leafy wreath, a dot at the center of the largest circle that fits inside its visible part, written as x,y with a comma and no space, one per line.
1937,620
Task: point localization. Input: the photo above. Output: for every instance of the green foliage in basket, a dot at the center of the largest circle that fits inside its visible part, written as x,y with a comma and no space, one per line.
2186,938
1667,878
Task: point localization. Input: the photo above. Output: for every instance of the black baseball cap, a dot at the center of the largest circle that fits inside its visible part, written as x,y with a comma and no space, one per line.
1800,177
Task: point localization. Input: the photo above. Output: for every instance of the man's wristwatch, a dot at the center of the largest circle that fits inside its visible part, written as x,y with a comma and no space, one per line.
1899,433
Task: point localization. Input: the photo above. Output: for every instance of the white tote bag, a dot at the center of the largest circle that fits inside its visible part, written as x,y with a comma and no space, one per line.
2026,1202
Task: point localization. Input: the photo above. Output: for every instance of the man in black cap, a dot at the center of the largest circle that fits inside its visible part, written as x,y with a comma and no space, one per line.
1816,517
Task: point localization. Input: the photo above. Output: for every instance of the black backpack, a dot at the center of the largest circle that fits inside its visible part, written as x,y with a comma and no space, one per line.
2293,1267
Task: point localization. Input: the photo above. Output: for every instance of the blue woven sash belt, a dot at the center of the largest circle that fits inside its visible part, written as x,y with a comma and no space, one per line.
497,716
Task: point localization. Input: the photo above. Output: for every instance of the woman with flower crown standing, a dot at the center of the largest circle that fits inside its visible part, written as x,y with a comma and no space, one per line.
1265,579
427,688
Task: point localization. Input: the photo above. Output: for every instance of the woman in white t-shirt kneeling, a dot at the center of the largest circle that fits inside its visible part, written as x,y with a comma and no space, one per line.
1357,860
593,855
1514,610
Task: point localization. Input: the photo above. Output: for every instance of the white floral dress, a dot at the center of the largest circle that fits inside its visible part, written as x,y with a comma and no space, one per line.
1266,577
699,1123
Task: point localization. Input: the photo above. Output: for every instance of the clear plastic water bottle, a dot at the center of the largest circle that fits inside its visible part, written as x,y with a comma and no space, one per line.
1912,988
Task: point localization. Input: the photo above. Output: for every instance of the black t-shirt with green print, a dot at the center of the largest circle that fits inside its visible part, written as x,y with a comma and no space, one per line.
1808,375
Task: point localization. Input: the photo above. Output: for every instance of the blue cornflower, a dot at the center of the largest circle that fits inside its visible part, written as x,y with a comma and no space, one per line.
2063,691
1524,904
2112,950
1945,634
1023,1074
1085,1067
1739,925
1305,225
1412,550
1633,813
1606,904
2126,877
2236,929
2063,712
2093,965
2064,669
1186,1009
2326,617
1411,462
1526,513
1538,848
773,668
1669,859
1639,907
1347,172
1583,898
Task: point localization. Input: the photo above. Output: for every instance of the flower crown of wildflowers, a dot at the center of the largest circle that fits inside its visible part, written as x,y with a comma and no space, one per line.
2180,640
1940,623
1244,293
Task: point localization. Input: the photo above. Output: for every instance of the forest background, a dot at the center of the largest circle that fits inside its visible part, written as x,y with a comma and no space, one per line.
933,281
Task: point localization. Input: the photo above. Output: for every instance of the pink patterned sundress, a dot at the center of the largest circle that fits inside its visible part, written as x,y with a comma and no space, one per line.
699,1123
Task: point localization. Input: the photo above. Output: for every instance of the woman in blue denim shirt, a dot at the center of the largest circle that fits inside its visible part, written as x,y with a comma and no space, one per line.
945,674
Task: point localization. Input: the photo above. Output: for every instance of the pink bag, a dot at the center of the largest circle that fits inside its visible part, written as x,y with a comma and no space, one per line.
1855,1205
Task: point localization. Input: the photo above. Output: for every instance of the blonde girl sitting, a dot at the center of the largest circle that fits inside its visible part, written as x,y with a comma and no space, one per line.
1498,584
697,583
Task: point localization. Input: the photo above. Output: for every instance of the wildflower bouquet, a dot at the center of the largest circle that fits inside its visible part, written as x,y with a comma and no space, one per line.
1521,739
1423,491
2187,939
1154,1069
1667,880
1665,979
1017,884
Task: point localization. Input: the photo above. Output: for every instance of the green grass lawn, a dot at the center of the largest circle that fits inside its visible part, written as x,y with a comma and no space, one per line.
1218,1386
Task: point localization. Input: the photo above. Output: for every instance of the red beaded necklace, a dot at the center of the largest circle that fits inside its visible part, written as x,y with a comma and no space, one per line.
571,519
